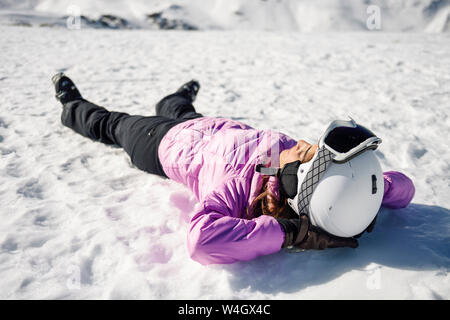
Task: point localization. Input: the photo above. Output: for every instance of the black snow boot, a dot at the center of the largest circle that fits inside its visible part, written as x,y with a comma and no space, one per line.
190,89
65,89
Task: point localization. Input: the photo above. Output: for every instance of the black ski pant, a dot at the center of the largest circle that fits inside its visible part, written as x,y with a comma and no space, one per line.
139,136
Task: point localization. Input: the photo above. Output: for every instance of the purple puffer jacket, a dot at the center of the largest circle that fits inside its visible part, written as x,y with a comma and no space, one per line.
216,159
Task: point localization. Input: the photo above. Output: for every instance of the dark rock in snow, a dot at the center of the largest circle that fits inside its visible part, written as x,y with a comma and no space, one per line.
158,20
104,21
114,22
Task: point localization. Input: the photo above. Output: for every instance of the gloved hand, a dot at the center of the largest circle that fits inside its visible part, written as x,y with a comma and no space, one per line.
301,234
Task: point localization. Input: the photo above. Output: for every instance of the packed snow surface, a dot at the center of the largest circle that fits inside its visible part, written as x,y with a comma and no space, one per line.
78,221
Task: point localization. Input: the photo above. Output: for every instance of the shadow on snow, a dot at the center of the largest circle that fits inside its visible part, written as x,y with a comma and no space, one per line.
413,238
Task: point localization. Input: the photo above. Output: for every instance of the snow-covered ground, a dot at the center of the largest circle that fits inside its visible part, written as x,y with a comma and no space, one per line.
79,222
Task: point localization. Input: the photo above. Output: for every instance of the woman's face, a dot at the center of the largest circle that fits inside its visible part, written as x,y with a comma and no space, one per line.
302,151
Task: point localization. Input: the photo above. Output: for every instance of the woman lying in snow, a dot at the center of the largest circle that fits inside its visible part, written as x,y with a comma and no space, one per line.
258,191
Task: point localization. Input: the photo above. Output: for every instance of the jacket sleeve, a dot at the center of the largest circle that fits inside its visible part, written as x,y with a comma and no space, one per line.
218,234
398,190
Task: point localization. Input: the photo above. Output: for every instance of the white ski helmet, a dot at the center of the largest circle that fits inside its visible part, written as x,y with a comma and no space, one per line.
347,197
342,187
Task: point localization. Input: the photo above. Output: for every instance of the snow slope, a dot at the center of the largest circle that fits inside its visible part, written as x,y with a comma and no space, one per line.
79,222
274,15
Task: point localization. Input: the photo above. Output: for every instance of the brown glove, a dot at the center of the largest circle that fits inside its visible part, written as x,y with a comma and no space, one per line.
301,234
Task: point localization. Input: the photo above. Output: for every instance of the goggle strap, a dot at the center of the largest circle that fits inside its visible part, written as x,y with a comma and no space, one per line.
315,173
